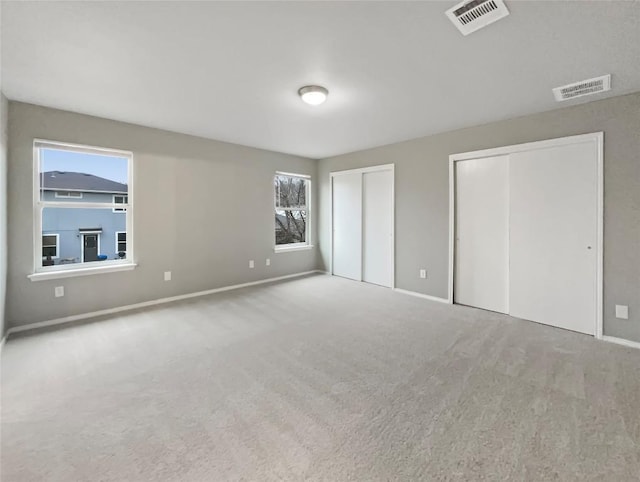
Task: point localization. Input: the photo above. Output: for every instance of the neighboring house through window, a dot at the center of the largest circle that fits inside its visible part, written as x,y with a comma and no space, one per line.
292,193
83,196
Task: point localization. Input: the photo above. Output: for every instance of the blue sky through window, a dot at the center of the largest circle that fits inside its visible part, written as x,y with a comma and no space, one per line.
108,167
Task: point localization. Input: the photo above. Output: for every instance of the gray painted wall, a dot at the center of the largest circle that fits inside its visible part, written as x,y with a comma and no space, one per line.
202,209
3,210
422,196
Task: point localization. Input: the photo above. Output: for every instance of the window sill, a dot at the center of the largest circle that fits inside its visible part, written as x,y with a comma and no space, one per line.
284,249
72,273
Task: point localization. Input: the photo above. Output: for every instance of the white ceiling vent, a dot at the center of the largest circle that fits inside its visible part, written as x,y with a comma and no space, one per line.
584,87
473,15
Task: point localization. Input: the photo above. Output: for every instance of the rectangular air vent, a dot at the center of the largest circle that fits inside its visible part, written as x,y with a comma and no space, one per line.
584,87
471,16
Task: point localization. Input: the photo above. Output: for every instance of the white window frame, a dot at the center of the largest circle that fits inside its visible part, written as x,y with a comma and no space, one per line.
68,195
40,272
124,197
307,243
57,256
125,241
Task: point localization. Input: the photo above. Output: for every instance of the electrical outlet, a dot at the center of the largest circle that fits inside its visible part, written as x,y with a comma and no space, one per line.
251,264
622,312
268,263
59,291
167,275
423,273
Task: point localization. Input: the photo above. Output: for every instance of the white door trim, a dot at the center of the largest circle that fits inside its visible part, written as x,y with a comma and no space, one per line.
381,167
362,170
598,138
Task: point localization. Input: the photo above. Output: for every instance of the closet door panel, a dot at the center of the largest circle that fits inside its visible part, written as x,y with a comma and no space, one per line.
378,228
482,233
553,236
347,225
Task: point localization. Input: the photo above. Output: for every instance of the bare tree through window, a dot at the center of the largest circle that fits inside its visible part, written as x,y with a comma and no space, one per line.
290,209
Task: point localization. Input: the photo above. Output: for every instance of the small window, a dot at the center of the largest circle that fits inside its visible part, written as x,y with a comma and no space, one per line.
292,193
118,199
121,244
68,195
50,246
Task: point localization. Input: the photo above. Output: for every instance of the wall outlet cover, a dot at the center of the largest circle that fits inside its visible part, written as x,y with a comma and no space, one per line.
59,291
251,264
268,262
423,273
622,312
167,275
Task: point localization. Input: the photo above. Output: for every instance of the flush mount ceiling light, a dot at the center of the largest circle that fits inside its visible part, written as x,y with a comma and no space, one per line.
313,94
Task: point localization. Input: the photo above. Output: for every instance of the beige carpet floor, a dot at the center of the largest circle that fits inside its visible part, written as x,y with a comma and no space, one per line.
317,378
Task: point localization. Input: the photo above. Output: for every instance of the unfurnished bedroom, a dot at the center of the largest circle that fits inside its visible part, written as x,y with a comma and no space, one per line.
313,240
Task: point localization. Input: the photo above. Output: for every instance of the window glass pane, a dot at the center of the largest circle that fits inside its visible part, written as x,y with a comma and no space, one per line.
290,191
49,252
121,245
49,240
67,194
85,235
91,177
90,241
120,200
291,226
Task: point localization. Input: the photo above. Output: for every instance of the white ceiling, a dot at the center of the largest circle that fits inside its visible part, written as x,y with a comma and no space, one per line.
230,71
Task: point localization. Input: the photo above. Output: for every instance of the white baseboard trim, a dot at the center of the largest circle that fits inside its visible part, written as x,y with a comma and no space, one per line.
144,304
420,295
621,341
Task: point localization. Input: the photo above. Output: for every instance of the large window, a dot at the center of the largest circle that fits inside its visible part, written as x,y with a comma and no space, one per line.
82,194
292,194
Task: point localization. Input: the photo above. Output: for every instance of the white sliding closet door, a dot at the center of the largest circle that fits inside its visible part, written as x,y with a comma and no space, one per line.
482,233
377,240
553,246
347,225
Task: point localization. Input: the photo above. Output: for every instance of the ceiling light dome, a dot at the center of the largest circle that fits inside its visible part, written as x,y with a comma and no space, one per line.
313,94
